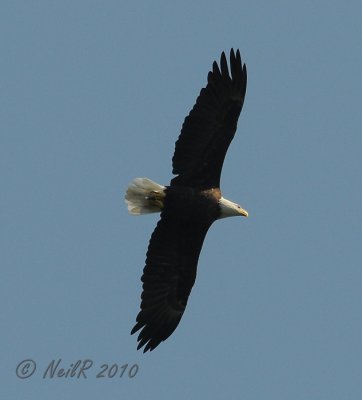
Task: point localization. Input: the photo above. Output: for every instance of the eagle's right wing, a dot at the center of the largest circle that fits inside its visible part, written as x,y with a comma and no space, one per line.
168,277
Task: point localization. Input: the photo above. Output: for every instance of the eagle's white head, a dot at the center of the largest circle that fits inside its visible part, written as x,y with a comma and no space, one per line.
230,209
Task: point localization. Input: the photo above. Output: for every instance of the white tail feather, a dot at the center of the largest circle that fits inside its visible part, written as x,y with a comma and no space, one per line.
144,196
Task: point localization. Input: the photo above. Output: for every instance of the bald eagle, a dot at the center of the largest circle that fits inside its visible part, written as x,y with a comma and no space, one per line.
190,204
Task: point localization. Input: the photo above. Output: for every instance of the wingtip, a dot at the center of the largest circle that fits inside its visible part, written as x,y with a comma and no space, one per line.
215,69
224,65
137,326
235,56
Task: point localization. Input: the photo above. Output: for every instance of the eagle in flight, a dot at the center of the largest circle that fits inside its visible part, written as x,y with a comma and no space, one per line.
189,204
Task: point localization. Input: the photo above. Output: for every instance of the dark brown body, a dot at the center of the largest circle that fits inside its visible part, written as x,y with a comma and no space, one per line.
192,206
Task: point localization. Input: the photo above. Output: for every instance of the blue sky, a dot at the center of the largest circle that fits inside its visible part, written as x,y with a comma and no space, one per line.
93,94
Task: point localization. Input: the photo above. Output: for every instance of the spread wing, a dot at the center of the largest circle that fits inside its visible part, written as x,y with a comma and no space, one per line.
168,277
210,127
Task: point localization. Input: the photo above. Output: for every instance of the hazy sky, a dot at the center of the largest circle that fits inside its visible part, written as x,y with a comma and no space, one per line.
94,94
